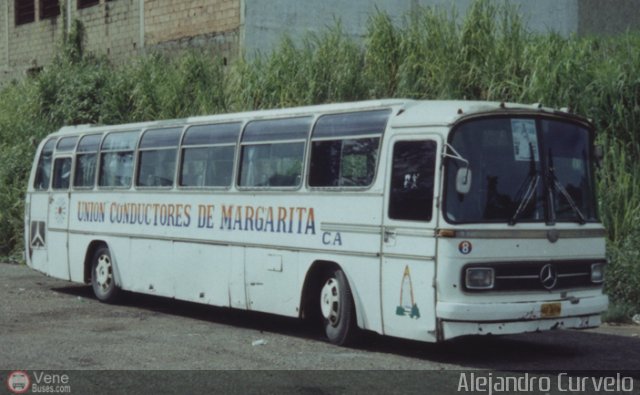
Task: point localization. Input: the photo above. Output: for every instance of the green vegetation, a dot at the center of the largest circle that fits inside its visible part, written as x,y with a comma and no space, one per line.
432,55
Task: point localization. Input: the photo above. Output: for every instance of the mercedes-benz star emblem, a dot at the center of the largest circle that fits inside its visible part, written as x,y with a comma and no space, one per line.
548,276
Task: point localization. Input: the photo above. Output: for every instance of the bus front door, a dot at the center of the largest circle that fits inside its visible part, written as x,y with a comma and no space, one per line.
409,245
58,219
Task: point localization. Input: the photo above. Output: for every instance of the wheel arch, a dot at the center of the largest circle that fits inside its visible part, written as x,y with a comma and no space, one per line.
91,250
313,282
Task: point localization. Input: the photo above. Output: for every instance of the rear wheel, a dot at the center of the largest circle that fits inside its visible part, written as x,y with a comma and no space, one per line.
337,308
102,277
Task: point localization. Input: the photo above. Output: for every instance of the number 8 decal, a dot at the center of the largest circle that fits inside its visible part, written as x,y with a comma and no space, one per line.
464,247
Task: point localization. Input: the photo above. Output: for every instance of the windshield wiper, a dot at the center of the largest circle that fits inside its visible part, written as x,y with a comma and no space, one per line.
530,184
563,191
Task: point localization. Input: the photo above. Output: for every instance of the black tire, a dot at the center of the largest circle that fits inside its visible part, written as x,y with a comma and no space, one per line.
102,277
337,309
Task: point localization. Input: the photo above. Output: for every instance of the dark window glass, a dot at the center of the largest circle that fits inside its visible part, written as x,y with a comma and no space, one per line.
120,141
351,124
49,9
226,133
157,168
520,168
277,129
87,3
570,177
116,169
89,143
25,11
116,159
271,165
61,173
66,144
343,163
207,166
411,196
43,171
160,138
85,170
506,177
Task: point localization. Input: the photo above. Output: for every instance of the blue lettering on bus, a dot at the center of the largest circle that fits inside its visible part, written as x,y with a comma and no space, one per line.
272,219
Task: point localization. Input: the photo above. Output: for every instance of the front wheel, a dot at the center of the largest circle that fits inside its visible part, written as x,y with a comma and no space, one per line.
102,277
337,308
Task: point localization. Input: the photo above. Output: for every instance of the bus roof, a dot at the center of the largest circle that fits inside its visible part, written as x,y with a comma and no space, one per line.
407,113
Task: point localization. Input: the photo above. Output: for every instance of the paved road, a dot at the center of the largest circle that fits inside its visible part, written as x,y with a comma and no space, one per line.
48,324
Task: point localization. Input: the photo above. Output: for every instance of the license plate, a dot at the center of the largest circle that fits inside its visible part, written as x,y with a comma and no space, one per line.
550,310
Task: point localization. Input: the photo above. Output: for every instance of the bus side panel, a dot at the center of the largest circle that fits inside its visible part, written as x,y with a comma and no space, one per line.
78,245
38,234
271,276
201,272
150,267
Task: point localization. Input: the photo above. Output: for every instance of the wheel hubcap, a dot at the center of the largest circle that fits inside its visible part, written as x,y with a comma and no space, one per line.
330,301
104,273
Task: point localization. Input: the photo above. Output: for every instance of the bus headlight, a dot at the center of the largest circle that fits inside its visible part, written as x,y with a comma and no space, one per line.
479,278
597,273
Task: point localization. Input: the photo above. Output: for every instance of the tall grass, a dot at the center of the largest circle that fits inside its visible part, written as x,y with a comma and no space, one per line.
432,54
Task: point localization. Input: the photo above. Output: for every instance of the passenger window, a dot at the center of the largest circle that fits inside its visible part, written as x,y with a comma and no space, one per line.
273,152
157,161
344,149
343,163
207,155
66,144
86,159
412,177
61,173
116,159
43,171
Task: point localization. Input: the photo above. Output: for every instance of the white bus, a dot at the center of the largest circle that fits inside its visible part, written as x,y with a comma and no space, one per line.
424,220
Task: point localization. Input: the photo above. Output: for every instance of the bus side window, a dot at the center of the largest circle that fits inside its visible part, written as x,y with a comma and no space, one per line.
411,194
207,155
61,173
344,149
116,159
157,160
43,171
86,160
272,152
343,163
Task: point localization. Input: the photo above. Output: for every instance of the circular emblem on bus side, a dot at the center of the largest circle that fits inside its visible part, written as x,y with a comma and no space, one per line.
548,276
465,247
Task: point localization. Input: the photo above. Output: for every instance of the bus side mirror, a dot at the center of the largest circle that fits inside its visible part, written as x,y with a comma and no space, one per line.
463,180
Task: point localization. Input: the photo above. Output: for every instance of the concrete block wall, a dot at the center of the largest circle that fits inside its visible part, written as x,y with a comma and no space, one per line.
120,29
28,46
112,28
210,25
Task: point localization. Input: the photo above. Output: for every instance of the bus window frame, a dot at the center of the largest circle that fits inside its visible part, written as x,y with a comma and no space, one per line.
55,140
303,165
138,152
381,140
101,152
65,155
234,165
94,185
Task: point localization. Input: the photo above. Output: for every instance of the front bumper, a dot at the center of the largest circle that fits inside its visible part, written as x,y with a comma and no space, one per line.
460,319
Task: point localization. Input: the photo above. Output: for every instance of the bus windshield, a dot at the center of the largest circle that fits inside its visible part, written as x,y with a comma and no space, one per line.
523,170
